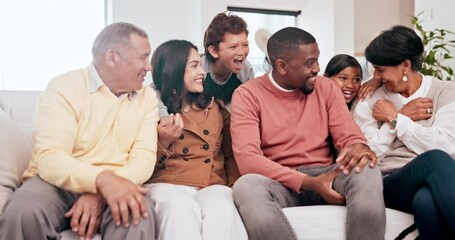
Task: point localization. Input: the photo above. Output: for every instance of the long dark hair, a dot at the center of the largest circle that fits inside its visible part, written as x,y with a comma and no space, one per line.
340,62
168,71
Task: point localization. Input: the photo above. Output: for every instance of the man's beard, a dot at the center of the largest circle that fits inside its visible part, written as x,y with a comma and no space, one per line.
305,90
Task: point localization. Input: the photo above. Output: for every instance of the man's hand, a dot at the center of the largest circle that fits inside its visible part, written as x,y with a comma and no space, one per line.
418,109
322,185
122,197
355,156
169,129
384,111
86,215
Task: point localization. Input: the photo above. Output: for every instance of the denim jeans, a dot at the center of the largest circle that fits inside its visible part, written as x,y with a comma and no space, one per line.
260,199
425,188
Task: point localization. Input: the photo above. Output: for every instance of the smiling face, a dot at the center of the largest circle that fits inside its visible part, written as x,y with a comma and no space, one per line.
132,65
194,74
232,52
300,71
349,81
391,77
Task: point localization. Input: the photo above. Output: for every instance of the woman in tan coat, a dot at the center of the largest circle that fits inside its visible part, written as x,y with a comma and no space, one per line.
190,183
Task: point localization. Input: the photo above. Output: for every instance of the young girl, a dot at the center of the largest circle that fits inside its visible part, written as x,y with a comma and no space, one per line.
191,178
346,71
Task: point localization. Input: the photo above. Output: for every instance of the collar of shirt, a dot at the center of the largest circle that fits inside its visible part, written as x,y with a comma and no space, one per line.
95,82
422,91
276,84
193,106
207,65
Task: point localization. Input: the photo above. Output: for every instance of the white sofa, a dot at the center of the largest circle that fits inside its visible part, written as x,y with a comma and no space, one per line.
16,114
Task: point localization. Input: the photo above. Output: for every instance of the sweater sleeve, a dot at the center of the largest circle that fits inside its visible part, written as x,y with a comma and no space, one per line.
55,132
142,156
440,135
380,138
246,138
342,126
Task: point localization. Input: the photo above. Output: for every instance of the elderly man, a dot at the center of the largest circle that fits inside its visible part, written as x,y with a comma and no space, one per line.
94,144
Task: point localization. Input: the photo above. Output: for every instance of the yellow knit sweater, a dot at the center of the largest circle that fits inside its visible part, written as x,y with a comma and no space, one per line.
79,132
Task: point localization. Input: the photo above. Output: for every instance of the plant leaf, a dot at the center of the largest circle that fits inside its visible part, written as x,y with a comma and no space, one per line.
438,44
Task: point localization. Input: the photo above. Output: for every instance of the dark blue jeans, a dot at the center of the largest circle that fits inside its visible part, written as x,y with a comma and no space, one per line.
425,187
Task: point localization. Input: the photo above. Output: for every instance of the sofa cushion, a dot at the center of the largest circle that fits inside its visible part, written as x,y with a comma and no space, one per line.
69,235
329,222
15,153
20,107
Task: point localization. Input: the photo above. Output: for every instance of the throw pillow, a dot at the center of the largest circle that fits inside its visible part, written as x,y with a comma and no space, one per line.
15,154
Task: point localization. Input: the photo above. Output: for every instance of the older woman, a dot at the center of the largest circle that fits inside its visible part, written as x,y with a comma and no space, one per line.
408,118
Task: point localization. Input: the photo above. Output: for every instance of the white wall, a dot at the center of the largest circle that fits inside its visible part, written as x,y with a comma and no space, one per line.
344,32
334,23
438,14
162,20
372,17
340,26
318,18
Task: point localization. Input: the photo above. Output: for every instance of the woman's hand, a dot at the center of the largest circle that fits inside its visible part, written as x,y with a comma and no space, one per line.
169,129
368,88
384,111
418,109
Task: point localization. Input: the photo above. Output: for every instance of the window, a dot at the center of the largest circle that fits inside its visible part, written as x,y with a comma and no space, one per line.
42,39
272,21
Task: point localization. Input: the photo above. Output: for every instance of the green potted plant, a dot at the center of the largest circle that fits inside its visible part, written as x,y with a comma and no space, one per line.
438,47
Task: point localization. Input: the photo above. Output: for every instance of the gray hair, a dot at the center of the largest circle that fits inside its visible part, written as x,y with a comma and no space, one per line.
115,35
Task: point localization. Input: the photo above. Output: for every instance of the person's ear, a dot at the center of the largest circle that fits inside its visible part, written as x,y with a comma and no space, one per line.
213,51
407,64
109,57
281,66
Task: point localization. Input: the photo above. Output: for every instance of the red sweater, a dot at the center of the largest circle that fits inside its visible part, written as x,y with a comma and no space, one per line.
274,132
